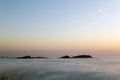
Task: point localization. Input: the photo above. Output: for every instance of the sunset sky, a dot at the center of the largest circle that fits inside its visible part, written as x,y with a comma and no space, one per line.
59,25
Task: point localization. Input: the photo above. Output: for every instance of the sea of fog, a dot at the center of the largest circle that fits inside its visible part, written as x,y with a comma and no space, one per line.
98,68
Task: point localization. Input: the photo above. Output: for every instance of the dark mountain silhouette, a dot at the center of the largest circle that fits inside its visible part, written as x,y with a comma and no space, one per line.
79,56
82,56
28,57
66,56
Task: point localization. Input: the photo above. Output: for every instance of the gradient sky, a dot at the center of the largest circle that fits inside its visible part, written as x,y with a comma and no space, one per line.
60,25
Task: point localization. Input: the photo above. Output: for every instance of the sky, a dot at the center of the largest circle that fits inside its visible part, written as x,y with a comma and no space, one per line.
51,26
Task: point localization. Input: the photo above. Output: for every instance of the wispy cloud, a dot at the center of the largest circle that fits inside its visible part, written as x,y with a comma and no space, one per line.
102,14
99,19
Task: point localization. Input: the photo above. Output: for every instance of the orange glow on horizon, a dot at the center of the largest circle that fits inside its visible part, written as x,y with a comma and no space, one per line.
60,45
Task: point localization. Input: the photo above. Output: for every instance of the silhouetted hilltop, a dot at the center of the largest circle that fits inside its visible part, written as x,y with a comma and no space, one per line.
29,57
24,57
66,56
79,56
82,56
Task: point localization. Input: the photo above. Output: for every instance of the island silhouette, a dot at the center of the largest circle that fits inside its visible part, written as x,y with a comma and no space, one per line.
41,57
79,56
29,57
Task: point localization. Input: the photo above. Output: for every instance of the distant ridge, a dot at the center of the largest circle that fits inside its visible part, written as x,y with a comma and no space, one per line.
79,56
82,56
66,56
28,57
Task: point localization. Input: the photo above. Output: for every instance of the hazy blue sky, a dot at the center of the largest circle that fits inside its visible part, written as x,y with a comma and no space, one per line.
59,24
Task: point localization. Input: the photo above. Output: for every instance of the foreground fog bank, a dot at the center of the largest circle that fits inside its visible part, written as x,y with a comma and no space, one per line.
61,69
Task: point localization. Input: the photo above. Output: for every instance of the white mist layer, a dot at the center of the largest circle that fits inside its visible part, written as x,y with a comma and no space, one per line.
62,69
